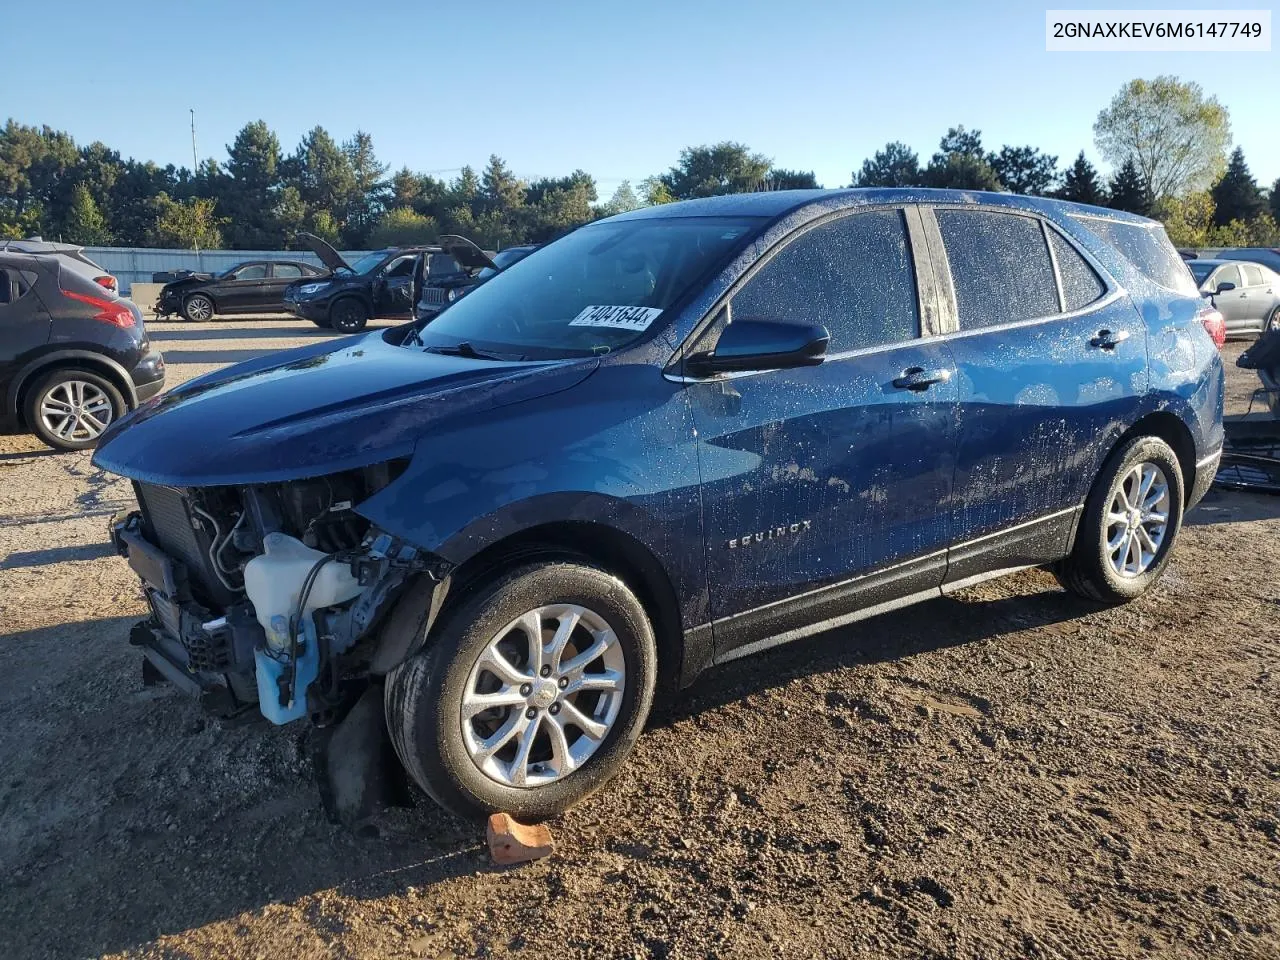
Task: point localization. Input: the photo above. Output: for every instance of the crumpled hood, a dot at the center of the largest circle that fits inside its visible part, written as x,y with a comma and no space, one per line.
335,405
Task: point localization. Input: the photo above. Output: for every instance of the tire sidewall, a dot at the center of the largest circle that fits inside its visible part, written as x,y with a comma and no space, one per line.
1091,545
339,307
42,386
186,307
425,693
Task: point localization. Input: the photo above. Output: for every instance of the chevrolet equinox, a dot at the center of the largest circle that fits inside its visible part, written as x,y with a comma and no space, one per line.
667,440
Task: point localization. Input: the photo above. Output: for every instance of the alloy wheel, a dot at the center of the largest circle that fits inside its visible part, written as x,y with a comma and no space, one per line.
1137,519
199,309
76,410
543,696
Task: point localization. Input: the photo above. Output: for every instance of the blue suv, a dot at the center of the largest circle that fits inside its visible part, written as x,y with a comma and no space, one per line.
667,440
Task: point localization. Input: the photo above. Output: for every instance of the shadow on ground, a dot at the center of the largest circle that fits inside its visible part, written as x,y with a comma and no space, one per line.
163,820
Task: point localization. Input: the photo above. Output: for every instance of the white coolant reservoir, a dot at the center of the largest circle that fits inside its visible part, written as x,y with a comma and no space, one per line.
273,582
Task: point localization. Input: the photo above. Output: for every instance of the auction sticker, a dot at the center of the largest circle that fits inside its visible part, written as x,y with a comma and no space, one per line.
617,318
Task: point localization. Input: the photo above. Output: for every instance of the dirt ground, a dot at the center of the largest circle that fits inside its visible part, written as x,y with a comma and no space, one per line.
1007,773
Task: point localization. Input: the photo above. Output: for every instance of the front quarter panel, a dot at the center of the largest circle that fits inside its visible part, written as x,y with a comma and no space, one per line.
617,449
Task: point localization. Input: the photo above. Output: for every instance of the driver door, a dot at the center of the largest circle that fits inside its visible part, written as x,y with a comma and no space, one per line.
393,292
826,489
244,289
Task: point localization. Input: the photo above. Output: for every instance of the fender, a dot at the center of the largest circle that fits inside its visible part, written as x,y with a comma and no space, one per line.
69,357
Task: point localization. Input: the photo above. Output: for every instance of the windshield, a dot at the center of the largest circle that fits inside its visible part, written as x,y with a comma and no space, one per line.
591,291
1200,270
369,262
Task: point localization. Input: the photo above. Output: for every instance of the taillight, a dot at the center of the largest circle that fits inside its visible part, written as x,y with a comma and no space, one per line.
108,281
114,312
1214,325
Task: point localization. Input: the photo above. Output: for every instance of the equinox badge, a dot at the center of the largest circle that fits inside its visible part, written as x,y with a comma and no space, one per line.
772,533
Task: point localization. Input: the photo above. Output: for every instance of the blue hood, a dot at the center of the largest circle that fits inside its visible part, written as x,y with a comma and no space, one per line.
332,406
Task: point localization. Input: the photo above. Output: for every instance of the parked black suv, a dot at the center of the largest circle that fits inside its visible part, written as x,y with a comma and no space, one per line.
379,284
73,356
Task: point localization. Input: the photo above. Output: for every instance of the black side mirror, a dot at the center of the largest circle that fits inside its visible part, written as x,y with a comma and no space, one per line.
762,345
1224,287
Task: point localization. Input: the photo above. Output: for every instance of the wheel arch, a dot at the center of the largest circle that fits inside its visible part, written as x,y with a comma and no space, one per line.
67,360
1169,428
608,548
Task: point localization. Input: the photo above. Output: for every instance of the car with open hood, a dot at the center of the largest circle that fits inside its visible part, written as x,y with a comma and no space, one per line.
664,441
463,266
254,286
379,284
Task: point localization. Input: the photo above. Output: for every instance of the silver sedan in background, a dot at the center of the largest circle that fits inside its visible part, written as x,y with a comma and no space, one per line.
1246,294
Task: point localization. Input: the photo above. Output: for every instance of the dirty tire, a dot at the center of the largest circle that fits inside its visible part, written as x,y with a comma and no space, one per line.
1088,571
424,694
197,308
348,315
49,385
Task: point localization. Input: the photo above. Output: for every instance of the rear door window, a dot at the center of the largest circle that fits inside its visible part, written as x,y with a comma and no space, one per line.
286,271
1147,247
1252,275
1000,267
854,276
1081,284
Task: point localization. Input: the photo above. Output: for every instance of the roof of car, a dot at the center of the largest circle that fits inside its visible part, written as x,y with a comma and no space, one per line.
776,203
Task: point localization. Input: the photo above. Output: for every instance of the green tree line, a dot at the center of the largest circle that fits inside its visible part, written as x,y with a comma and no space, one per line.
1165,140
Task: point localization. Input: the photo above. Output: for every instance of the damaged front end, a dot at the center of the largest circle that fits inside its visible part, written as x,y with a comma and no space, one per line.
274,596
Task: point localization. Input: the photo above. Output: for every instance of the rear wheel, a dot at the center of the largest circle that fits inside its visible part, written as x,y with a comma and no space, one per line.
1273,323
348,315
1129,525
530,696
69,409
197,308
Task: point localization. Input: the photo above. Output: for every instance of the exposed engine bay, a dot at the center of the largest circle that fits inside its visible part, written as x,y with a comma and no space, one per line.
271,595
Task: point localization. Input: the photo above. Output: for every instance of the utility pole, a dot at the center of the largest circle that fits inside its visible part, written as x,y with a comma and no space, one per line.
195,171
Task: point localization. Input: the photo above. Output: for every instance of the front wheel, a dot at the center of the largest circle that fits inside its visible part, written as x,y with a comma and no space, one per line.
530,696
348,315
1129,525
197,308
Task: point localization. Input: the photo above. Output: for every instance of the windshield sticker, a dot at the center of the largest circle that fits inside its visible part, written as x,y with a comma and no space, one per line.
617,318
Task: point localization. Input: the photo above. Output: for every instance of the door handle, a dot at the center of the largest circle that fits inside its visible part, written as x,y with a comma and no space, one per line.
918,378
1108,339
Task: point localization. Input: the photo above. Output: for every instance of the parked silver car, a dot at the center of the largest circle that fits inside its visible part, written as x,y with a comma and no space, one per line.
1246,294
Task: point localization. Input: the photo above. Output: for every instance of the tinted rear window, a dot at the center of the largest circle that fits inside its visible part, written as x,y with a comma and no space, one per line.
1148,248
1000,267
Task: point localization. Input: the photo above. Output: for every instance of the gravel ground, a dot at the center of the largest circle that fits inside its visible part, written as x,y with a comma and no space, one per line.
1007,773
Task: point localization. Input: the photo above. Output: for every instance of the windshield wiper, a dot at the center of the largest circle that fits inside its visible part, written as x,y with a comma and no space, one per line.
465,349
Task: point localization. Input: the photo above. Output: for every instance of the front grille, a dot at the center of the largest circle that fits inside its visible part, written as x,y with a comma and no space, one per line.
434,295
208,652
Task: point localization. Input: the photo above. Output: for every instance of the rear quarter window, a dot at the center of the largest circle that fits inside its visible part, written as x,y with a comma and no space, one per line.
1147,247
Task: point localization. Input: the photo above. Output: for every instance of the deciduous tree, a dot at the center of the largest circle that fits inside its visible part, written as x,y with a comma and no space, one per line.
1176,136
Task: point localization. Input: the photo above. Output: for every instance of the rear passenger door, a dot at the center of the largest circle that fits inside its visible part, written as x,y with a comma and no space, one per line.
25,324
825,489
1255,295
1051,369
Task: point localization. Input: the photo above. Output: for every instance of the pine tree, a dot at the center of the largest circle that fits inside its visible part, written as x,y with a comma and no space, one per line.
1128,191
895,166
85,223
1081,184
1237,196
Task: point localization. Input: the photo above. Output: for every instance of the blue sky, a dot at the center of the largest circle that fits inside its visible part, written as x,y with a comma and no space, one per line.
616,89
